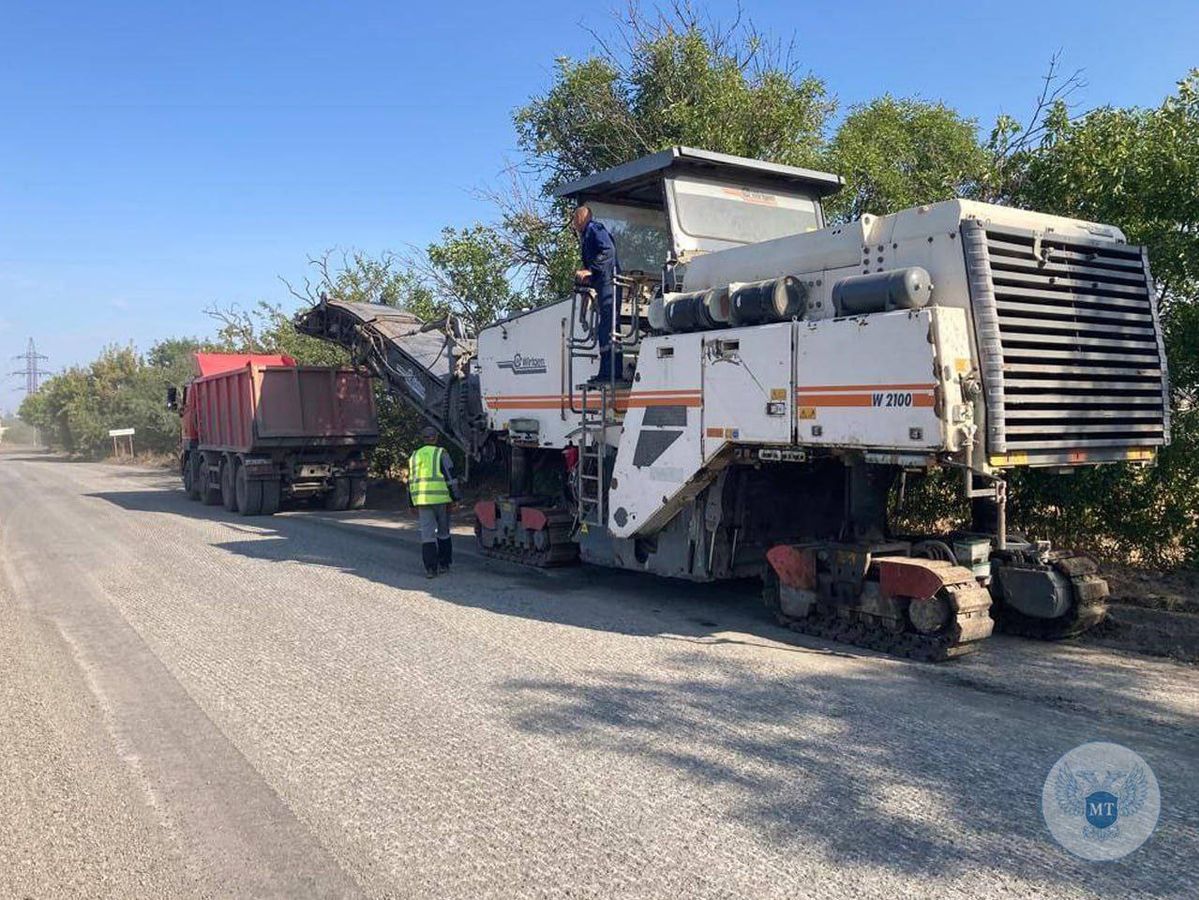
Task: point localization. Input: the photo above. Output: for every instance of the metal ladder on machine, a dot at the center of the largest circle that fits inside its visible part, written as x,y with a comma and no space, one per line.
597,412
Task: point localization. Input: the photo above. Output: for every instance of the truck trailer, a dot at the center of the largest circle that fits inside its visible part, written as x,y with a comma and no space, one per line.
259,429
784,377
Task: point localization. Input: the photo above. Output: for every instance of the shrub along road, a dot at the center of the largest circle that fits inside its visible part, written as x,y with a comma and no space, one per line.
195,703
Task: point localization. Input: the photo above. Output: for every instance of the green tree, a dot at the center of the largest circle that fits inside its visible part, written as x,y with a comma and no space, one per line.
1137,168
897,153
656,80
350,277
467,274
669,78
75,409
267,328
1134,167
42,412
356,277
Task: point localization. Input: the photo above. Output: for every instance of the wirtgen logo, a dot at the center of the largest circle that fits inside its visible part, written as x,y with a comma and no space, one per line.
523,365
1101,801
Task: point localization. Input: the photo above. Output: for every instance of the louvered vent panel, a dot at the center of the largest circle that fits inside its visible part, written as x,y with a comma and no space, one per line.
1070,343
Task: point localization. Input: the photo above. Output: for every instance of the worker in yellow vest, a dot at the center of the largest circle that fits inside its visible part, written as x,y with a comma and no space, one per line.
432,487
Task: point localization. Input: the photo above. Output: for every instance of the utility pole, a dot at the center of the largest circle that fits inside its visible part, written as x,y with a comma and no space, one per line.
33,372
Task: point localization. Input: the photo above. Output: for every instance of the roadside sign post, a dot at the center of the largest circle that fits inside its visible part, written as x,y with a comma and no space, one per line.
116,434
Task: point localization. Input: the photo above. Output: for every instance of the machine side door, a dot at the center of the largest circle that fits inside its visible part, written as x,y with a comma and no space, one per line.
747,384
659,453
881,381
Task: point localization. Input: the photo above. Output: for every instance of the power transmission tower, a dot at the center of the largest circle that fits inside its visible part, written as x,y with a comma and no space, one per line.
33,372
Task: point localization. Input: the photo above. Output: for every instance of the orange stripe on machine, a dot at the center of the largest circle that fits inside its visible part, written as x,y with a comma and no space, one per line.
624,400
872,396
686,398
836,388
879,400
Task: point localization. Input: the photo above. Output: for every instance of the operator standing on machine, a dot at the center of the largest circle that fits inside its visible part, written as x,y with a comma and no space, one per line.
599,271
432,487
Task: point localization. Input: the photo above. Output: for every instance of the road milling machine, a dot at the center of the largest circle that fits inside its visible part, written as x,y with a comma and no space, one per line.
783,378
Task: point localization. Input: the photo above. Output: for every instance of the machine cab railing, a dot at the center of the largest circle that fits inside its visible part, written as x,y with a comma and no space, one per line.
628,327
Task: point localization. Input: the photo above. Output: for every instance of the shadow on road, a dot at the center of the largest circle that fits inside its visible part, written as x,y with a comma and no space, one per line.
623,602
854,766
628,602
822,760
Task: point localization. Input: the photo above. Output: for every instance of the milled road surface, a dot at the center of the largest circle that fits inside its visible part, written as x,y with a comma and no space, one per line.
197,704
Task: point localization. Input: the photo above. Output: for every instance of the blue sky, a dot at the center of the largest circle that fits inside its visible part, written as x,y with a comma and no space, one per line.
157,157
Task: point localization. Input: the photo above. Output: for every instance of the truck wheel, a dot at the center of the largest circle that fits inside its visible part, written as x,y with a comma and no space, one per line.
271,493
249,493
357,493
210,494
229,467
192,474
338,497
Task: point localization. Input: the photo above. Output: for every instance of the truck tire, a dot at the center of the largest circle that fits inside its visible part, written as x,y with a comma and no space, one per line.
209,493
193,469
249,493
357,493
229,467
338,497
271,494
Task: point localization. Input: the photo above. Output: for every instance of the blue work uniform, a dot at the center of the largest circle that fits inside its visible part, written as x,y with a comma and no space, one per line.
599,255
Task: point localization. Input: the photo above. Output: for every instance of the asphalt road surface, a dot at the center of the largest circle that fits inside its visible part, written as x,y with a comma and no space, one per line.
197,704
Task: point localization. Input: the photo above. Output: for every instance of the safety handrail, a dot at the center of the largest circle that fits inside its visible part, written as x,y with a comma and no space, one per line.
590,341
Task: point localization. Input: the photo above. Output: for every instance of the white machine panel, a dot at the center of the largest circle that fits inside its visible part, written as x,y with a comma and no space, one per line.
881,381
660,450
747,382
523,369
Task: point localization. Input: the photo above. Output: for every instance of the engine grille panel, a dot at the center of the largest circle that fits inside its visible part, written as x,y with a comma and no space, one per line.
1074,368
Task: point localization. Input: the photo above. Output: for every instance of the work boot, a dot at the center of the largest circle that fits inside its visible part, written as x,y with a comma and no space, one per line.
428,552
445,553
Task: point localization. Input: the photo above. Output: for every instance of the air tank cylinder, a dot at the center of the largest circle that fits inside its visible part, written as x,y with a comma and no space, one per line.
909,288
695,311
773,300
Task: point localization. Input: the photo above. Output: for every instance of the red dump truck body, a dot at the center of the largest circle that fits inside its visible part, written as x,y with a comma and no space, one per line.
262,422
270,405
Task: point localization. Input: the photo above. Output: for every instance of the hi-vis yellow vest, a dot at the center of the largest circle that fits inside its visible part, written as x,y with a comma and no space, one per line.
426,483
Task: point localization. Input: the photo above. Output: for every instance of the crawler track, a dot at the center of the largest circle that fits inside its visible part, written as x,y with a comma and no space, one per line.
1088,609
560,549
847,624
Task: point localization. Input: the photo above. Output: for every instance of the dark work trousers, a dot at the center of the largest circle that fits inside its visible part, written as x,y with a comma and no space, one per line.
606,296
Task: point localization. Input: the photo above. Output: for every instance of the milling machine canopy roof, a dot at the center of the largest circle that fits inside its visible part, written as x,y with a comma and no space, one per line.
639,182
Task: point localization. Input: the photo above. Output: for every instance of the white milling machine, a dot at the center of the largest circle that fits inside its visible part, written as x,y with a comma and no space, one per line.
783,379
